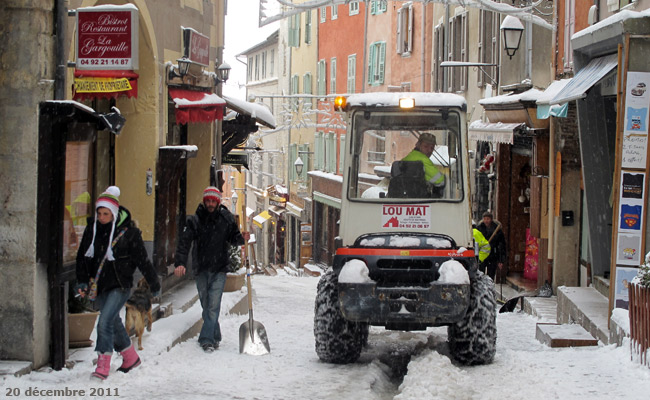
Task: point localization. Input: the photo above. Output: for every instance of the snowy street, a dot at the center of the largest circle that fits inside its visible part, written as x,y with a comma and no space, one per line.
285,305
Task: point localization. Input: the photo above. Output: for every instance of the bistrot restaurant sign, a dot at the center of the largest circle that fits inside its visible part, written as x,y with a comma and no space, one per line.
107,38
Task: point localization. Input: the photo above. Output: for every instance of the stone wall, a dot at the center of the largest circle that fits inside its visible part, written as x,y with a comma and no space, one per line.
26,78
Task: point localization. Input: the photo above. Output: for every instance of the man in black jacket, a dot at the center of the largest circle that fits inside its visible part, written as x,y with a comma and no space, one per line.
212,230
494,234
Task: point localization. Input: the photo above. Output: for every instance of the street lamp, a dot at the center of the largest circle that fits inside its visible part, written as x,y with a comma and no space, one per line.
223,73
298,165
234,199
512,30
183,67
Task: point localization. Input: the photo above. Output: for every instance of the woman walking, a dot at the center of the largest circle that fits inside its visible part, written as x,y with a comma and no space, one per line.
111,248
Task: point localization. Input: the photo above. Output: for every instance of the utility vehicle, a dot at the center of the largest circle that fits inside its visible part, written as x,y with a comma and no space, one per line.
405,255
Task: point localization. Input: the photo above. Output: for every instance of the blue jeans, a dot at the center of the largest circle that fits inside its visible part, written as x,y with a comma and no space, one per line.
210,286
111,333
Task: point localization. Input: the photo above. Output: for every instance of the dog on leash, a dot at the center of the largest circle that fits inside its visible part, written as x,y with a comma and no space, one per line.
138,310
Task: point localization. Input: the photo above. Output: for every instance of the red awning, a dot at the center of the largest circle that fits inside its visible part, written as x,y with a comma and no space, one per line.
92,84
195,106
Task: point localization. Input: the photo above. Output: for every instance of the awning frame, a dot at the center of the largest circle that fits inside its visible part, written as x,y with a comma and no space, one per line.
585,79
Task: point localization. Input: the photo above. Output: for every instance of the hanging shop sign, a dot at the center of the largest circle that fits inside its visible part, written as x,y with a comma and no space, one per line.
107,38
197,47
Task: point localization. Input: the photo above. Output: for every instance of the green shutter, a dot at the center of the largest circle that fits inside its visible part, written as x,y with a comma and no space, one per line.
382,62
371,64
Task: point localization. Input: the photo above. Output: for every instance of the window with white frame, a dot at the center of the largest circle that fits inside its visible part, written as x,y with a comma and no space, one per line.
569,30
352,73
458,51
272,63
354,7
294,89
330,152
333,75
320,86
250,68
488,46
376,63
378,6
377,151
405,29
264,65
438,58
307,89
335,11
257,67
319,151
308,27
341,153
323,14
294,31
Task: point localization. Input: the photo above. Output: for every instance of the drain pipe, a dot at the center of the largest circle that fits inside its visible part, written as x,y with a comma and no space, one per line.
60,31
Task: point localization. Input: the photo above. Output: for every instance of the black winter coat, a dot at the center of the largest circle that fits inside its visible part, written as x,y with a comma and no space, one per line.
498,252
212,235
129,253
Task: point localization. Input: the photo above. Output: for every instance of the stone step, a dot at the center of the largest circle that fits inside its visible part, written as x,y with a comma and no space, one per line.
566,335
585,307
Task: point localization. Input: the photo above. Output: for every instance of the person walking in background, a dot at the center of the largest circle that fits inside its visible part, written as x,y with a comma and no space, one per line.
111,249
497,241
212,230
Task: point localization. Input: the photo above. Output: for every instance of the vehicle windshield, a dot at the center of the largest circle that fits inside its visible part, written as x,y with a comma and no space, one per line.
397,156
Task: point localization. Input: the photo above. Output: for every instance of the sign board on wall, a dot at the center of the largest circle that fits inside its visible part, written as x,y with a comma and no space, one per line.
635,129
107,38
197,47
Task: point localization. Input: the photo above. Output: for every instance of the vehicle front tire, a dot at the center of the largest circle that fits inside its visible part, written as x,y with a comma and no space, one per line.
472,341
338,340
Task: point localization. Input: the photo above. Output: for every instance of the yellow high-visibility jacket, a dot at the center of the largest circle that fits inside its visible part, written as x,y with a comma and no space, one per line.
482,243
431,172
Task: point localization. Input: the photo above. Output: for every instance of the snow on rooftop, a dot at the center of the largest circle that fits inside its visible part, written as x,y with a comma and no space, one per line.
554,88
391,99
619,17
528,95
326,175
257,111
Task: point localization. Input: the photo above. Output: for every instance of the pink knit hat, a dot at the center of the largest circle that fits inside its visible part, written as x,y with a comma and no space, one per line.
109,199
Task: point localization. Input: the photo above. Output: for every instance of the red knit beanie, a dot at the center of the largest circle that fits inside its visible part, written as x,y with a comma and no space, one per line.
213,193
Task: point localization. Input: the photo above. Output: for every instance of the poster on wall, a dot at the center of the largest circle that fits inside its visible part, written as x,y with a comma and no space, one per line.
624,276
628,249
635,135
631,201
635,149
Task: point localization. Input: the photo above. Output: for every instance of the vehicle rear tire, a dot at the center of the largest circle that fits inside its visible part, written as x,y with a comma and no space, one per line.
338,340
472,341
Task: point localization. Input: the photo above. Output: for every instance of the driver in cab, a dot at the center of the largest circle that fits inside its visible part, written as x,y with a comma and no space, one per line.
424,147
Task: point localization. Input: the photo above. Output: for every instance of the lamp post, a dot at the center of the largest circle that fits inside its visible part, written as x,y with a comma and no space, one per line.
234,199
512,30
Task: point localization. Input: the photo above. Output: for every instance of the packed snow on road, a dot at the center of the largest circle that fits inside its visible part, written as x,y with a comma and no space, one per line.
394,365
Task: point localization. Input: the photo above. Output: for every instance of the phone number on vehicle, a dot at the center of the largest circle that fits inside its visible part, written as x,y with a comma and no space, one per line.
65,392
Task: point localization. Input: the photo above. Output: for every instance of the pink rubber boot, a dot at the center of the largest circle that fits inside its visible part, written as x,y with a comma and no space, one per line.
130,359
103,366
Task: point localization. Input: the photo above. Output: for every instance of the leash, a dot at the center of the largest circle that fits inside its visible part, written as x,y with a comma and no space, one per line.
92,294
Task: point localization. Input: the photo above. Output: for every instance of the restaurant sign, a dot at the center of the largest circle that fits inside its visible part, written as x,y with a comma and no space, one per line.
107,38
197,47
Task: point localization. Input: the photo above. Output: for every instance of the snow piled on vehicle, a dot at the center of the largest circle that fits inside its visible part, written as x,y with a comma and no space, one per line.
354,271
454,273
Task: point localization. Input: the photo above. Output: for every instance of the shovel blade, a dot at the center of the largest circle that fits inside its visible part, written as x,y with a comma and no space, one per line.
510,305
253,339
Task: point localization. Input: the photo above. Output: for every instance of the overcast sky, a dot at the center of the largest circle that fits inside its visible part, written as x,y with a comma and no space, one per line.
242,33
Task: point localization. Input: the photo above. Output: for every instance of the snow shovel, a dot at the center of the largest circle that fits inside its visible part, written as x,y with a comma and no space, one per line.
252,334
